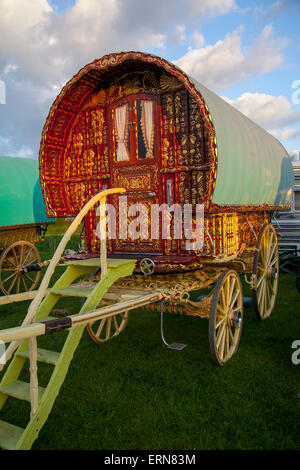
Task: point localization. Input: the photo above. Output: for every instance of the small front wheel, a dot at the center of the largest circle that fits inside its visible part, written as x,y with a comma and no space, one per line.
105,329
226,317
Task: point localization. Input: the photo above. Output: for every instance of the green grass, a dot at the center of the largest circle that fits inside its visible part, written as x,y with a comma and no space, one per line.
133,393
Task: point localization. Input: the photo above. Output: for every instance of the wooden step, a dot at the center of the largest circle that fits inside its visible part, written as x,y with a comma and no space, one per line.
20,390
72,292
9,435
43,355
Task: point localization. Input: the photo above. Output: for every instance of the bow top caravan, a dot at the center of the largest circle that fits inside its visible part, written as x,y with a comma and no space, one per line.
136,121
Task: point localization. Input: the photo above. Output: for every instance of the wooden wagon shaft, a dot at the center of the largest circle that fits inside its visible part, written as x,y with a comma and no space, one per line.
22,296
113,294
51,326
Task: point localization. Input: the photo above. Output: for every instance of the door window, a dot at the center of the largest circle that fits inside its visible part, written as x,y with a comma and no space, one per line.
133,129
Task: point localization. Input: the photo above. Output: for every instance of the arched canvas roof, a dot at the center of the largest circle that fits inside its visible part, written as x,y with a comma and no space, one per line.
248,166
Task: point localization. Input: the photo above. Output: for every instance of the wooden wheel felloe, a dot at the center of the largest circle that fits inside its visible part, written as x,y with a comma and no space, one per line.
266,272
12,259
104,329
226,317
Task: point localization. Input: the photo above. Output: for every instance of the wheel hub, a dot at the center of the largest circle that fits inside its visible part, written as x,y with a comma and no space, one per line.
235,319
271,272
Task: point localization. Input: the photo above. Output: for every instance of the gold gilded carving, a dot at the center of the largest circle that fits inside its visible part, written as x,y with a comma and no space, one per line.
169,82
78,143
135,182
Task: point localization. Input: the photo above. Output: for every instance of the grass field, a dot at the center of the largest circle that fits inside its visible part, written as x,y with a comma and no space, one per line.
133,393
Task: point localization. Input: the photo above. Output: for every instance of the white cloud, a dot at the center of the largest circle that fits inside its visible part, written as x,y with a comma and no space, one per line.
267,110
41,49
213,7
273,113
226,62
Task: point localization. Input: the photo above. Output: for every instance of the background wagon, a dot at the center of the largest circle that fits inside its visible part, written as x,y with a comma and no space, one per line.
287,225
23,222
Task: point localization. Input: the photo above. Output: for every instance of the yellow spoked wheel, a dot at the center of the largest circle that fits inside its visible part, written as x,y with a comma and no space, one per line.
13,258
226,317
266,271
105,329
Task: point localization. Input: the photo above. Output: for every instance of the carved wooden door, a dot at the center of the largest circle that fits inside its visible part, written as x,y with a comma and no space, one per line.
135,166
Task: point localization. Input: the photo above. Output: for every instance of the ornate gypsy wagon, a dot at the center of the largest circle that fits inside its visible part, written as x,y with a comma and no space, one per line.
135,121
135,124
23,222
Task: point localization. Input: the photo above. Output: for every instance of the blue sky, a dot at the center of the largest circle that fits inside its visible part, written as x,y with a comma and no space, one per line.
245,51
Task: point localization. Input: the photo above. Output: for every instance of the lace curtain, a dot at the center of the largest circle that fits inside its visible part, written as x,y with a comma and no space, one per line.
121,116
148,126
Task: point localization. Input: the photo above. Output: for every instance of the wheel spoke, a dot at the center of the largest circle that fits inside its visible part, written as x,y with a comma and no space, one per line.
108,328
116,325
100,328
27,256
274,261
270,245
222,345
260,281
221,311
16,258
231,335
9,277
220,322
226,283
219,335
21,255
271,254
12,283
24,283
261,295
232,288
260,291
227,348
271,287
234,300
223,301
28,278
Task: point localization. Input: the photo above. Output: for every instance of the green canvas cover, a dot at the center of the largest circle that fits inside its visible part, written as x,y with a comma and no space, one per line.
21,200
253,166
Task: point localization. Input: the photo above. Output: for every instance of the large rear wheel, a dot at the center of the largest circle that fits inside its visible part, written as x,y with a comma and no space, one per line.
226,317
266,272
12,259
